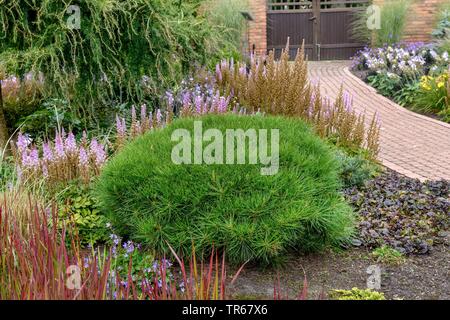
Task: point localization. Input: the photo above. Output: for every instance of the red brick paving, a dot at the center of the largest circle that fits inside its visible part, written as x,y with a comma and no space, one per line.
412,144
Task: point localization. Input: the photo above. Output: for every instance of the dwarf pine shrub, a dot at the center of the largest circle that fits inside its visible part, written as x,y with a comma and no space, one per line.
234,208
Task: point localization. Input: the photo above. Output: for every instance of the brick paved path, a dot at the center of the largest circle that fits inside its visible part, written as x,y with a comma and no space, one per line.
412,144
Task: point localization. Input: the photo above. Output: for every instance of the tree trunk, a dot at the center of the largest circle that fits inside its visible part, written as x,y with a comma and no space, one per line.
4,136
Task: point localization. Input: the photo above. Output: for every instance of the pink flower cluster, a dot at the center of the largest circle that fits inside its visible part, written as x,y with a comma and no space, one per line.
61,160
198,103
138,126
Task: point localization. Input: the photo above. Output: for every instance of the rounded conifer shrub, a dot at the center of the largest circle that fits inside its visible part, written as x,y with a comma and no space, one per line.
204,182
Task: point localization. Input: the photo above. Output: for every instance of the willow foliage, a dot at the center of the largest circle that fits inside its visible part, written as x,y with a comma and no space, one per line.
124,50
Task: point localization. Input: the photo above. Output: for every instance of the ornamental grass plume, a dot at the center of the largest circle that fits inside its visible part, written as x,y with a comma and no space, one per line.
59,161
282,88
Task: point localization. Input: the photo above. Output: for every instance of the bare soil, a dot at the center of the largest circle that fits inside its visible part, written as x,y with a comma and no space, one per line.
420,277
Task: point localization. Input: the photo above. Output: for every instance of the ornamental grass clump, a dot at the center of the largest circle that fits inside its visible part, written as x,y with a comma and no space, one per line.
41,261
233,208
282,88
34,260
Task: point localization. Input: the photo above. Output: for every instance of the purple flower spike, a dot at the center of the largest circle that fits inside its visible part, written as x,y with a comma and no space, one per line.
121,127
83,157
143,113
59,147
47,152
133,114
198,104
71,144
22,142
158,117
218,73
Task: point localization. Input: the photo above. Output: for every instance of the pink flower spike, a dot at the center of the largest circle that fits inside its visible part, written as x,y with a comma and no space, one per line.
97,152
34,158
71,144
83,157
59,147
143,113
120,127
22,142
158,117
47,153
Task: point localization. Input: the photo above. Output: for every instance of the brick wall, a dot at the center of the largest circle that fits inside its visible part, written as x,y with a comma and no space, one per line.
421,19
258,28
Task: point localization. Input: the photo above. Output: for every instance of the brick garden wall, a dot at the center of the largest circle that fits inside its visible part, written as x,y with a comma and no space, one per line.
421,19
258,28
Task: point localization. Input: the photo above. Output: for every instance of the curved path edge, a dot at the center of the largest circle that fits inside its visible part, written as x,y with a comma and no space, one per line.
410,143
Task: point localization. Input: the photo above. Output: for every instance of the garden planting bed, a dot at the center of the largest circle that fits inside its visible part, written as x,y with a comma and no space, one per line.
393,210
419,277
414,75
127,185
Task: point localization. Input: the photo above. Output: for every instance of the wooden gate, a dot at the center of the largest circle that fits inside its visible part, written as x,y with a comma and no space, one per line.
325,26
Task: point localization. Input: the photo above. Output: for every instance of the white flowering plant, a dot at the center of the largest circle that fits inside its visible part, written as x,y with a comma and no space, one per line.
404,60
397,71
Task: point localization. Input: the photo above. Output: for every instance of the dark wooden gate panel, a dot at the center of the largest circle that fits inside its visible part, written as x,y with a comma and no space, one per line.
335,40
323,24
290,20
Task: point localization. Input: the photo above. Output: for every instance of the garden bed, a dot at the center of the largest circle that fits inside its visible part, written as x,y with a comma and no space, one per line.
414,75
104,192
418,278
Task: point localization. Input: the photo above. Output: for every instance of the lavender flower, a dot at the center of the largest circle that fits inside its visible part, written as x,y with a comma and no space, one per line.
83,157
97,152
170,99
129,247
47,153
23,141
158,117
120,127
59,147
70,144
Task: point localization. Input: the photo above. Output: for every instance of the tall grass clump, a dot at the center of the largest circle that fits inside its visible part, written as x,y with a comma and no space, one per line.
282,88
229,207
393,16
226,15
